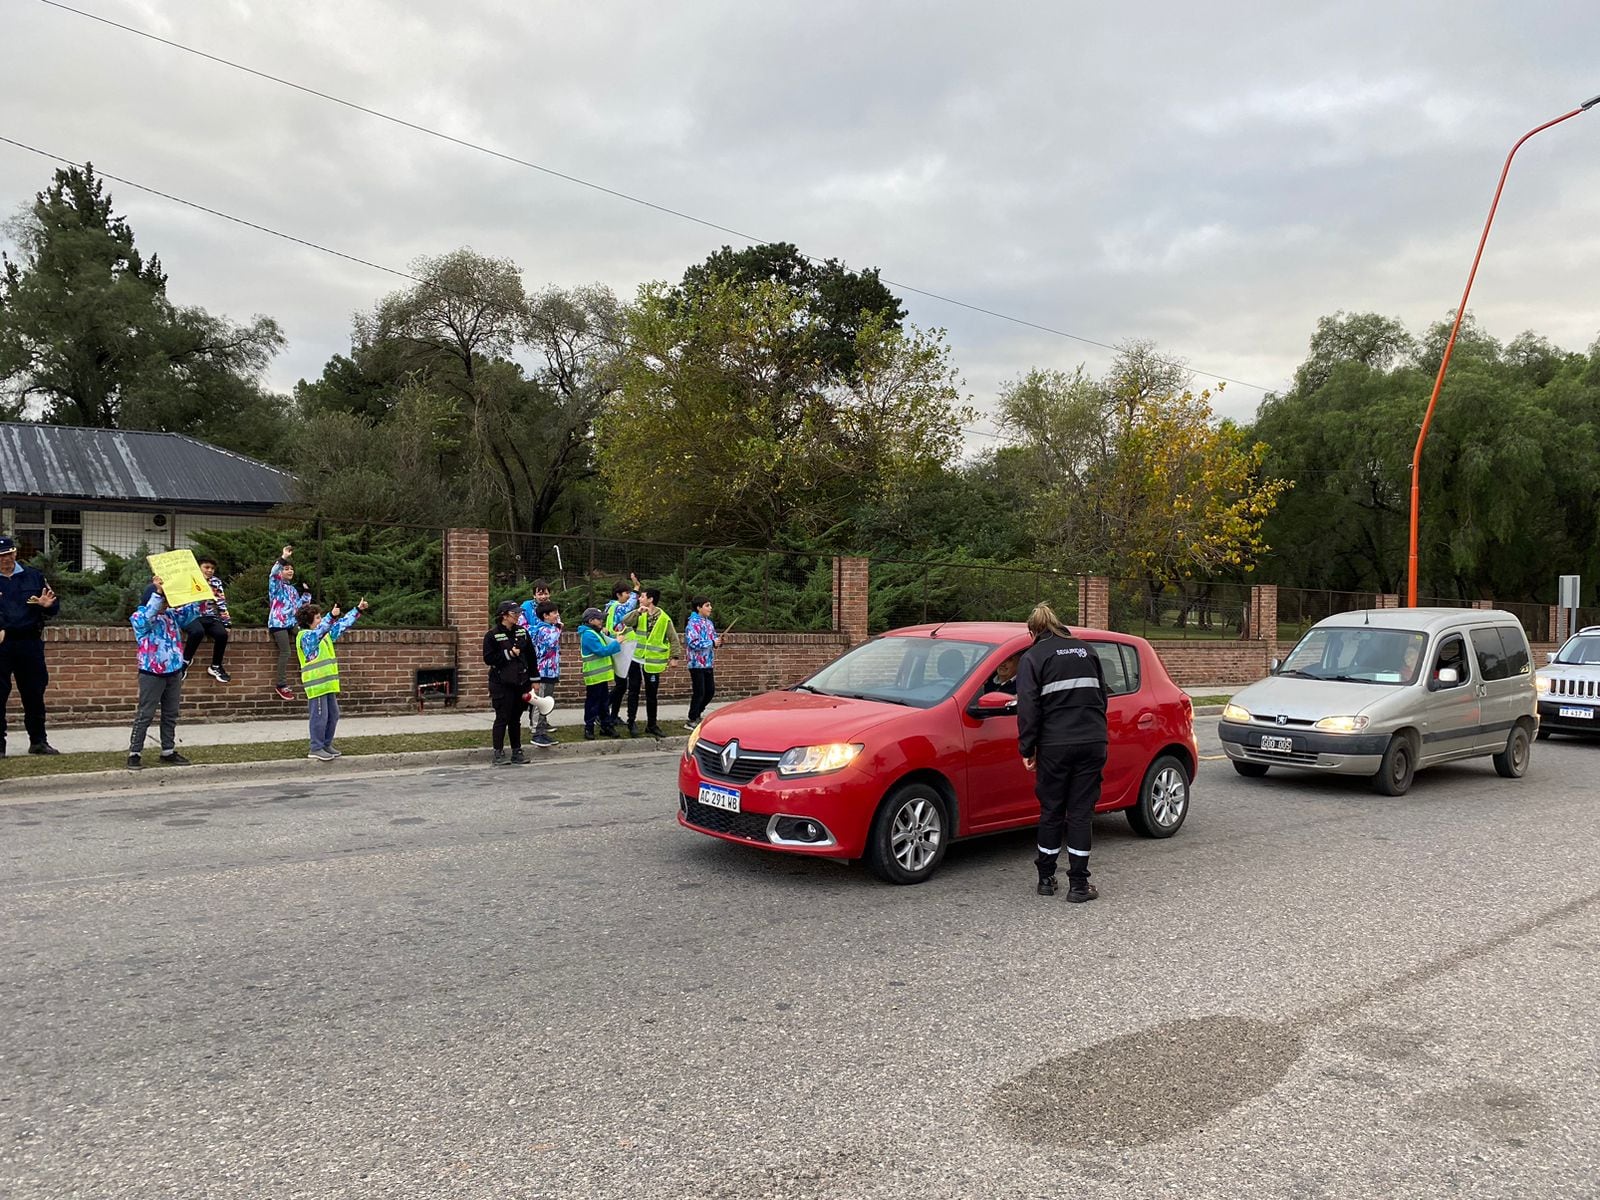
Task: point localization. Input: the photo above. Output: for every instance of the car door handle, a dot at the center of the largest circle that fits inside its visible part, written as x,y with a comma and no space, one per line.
1146,720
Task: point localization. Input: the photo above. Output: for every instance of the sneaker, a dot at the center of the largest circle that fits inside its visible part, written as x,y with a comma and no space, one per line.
654,731
284,693
321,756
609,731
543,740
1081,891
499,759
220,674
42,748
1049,887
588,735
519,759
689,725
336,753
134,763
173,760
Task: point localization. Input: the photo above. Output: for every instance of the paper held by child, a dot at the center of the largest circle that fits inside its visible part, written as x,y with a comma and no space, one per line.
182,581
624,658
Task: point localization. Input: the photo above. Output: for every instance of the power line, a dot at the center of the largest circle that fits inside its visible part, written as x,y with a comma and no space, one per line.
305,242
608,191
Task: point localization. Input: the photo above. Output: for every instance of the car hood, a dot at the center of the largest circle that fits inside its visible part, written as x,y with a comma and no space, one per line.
780,720
1310,699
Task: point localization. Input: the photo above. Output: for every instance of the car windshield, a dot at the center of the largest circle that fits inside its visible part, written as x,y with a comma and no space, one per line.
1580,651
1358,654
916,671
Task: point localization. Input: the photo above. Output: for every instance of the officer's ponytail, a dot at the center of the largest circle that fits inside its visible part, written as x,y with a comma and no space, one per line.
1043,622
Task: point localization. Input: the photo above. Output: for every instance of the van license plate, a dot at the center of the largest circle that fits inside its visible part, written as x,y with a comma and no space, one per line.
726,799
1282,744
1586,714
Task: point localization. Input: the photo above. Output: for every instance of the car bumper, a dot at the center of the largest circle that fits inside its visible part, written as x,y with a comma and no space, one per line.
773,812
1335,753
1550,716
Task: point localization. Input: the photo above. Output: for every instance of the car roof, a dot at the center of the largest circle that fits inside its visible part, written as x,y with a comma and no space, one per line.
1425,620
994,631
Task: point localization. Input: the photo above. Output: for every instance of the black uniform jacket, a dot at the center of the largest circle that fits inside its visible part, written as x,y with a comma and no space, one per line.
508,672
1061,695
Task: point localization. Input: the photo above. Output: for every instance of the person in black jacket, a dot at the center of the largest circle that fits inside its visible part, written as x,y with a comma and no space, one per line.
508,653
26,602
1061,732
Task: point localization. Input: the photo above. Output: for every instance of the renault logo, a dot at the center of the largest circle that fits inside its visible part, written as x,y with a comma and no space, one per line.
1283,719
730,755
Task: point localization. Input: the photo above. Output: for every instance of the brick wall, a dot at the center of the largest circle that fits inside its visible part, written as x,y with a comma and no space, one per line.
1094,602
1201,664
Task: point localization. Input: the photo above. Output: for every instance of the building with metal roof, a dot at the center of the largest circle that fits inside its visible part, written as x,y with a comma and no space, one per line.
125,490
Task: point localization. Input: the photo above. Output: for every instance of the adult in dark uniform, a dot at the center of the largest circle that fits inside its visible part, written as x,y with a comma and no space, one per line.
508,653
26,602
1061,732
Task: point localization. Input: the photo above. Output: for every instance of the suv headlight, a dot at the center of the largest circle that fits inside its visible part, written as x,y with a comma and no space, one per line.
1541,684
1341,724
819,760
1232,712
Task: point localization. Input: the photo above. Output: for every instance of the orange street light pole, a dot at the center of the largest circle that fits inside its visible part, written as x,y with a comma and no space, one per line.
1449,346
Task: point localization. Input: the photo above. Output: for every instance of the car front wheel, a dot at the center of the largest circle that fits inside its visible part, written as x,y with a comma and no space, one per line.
1163,799
909,834
1512,762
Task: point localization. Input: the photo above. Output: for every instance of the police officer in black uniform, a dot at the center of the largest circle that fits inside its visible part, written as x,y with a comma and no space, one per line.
1061,731
26,602
508,653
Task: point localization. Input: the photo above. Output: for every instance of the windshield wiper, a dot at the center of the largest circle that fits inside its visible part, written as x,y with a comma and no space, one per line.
879,699
1344,679
806,687
1300,673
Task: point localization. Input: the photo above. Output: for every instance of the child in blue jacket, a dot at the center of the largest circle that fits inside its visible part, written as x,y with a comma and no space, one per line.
599,653
160,631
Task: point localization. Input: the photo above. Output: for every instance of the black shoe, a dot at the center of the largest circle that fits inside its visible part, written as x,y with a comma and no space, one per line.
633,729
499,759
174,760
42,748
1048,887
1081,891
654,731
609,731
134,763
588,735
519,759
220,674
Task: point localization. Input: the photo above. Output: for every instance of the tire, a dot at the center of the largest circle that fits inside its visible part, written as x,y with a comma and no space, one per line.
1398,769
1512,762
1250,770
909,834
1163,799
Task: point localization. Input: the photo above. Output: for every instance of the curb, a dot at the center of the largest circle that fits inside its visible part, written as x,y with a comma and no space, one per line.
1210,710
159,779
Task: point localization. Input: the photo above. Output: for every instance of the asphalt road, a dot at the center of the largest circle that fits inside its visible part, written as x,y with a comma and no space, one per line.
474,983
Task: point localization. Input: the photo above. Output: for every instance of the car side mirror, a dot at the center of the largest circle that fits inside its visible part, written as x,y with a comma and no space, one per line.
1277,665
1549,656
993,704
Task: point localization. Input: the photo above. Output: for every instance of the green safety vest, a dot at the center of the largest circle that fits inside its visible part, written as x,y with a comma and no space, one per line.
652,653
597,668
320,675
612,625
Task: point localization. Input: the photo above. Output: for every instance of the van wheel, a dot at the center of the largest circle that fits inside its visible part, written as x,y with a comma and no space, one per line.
909,834
1398,769
1512,762
1163,799
1250,770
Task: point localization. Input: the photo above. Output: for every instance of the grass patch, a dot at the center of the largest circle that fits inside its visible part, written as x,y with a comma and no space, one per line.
1209,701
27,766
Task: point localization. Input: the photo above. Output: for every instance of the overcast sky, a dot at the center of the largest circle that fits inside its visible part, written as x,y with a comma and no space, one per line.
1213,177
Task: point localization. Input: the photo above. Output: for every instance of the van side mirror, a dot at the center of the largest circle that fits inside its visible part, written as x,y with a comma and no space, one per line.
993,704
1447,677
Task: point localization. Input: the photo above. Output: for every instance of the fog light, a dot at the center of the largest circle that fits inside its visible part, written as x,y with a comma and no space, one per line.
800,831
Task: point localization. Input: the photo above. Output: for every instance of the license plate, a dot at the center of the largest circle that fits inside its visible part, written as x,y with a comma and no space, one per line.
713,796
1276,743
1586,713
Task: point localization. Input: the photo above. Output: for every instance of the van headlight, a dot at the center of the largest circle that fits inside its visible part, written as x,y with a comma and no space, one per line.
819,760
1341,724
1541,684
1232,712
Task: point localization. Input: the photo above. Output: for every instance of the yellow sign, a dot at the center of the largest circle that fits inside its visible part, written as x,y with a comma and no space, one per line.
180,577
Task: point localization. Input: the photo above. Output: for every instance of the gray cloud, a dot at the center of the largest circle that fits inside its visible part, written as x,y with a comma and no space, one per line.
1212,177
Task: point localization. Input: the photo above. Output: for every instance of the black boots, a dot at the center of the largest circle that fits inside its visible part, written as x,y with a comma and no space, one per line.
1049,886
1079,889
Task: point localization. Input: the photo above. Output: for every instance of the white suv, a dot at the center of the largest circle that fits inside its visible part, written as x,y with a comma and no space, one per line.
1569,686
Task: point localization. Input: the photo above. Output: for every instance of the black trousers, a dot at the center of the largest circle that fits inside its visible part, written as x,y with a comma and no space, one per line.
652,686
630,686
508,709
207,627
1067,782
22,658
702,686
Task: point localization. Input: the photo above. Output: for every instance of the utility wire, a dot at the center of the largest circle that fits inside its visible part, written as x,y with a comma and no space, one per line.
310,245
609,191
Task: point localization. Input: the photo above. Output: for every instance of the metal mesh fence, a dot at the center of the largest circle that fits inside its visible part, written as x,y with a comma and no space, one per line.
901,592
1189,610
757,590
1301,608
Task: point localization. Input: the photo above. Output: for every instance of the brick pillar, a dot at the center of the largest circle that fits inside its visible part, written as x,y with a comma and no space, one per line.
850,581
1558,624
1483,604
1094,602
1264,621
466,606
1388,600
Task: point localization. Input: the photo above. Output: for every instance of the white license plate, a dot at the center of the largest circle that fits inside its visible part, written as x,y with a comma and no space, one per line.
713,796
1586,714
1276,743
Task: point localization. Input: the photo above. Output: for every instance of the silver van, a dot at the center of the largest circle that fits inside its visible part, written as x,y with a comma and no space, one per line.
1385,692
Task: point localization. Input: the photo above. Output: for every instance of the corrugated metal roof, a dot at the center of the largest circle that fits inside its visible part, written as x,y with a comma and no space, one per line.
133,466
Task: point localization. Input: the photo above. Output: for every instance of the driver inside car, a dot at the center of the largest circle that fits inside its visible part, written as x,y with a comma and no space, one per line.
1004,678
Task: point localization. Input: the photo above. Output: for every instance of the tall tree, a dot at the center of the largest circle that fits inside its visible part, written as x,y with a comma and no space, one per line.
89,336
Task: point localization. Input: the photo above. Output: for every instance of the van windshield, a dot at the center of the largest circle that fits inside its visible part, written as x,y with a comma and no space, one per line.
1358,654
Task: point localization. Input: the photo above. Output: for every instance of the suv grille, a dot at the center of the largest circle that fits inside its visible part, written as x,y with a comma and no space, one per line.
746,767
751,826
1587,689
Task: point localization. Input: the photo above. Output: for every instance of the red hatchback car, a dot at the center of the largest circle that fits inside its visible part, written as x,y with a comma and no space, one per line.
910,740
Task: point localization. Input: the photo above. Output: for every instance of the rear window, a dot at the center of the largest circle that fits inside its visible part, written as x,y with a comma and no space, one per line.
1502,651
1120,664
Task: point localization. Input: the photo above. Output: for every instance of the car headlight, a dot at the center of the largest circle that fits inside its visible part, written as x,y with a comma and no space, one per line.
1541,684
1342,724
818,760
694,740
1232,712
